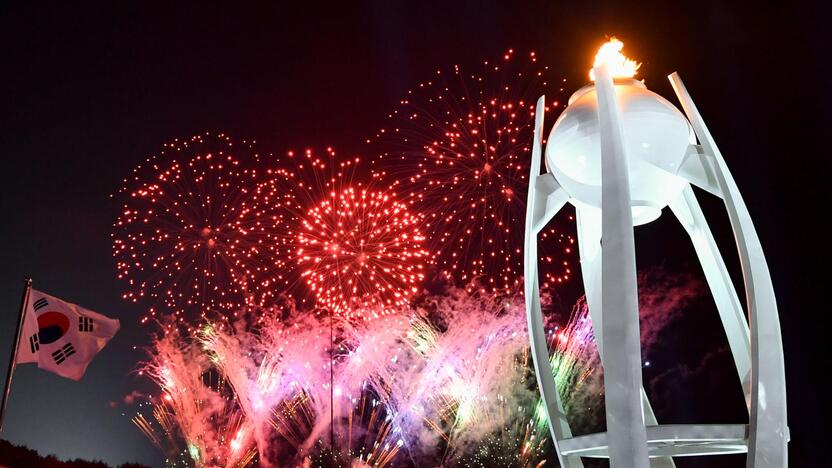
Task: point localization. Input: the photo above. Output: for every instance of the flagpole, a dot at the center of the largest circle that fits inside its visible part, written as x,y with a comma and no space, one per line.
24,302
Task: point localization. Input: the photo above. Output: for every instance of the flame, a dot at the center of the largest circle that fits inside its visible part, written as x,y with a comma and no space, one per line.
609,54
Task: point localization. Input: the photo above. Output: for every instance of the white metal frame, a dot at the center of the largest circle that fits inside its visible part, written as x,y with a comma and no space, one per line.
634,438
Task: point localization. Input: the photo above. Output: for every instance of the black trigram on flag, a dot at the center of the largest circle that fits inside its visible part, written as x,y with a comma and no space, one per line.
40,304
66,351
34,342
84,324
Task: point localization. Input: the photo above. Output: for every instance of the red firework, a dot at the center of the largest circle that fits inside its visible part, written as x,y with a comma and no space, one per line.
458,147
180,241
359,249
349,248
212,227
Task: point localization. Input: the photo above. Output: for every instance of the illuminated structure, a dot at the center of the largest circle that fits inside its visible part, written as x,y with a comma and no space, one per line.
620,154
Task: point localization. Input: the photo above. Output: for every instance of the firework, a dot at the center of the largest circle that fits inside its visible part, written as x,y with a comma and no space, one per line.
576,367
445,381
277,376
196,408
458,147
440,375
346,244
359,249
179,242
209,228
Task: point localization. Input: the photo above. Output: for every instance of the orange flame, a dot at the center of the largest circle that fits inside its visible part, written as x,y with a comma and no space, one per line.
619,66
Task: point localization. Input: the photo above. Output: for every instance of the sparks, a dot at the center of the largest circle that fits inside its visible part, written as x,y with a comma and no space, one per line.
178,242
457,148
361,248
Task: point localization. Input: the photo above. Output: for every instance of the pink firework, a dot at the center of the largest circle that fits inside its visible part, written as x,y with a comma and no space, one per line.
359,249
446,381
458,147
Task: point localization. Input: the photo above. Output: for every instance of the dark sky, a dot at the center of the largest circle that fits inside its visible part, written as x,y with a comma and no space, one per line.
89,90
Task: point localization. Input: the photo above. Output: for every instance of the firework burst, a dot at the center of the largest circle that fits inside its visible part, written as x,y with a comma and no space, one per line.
358,249
458,147
179,241
343,242
209,227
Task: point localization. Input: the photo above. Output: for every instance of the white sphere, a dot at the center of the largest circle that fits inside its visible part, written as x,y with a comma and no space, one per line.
656,137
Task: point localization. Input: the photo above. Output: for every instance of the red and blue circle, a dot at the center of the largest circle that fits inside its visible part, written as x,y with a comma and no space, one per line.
52,326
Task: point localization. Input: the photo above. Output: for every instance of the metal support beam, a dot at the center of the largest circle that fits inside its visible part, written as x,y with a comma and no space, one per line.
539,207
768,430
619,292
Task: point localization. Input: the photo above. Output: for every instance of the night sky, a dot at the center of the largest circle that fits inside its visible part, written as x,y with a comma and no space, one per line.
88,91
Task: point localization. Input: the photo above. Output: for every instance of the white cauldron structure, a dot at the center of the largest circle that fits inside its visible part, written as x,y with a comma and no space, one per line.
620,154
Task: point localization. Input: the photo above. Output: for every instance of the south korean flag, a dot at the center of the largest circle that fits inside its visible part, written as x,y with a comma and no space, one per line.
62,337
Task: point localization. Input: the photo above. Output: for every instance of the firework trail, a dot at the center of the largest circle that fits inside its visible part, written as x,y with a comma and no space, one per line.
446,381
195,408
458,147
477,379
278,365
577,370
444,374
277,373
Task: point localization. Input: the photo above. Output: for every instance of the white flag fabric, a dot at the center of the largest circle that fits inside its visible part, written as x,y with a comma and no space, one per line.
62,337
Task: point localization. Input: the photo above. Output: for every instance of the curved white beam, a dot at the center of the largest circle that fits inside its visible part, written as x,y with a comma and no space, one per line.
768,430
536,211
622,361
688,212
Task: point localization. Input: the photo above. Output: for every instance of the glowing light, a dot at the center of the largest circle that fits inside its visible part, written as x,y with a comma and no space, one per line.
236,442
193,451
619,66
